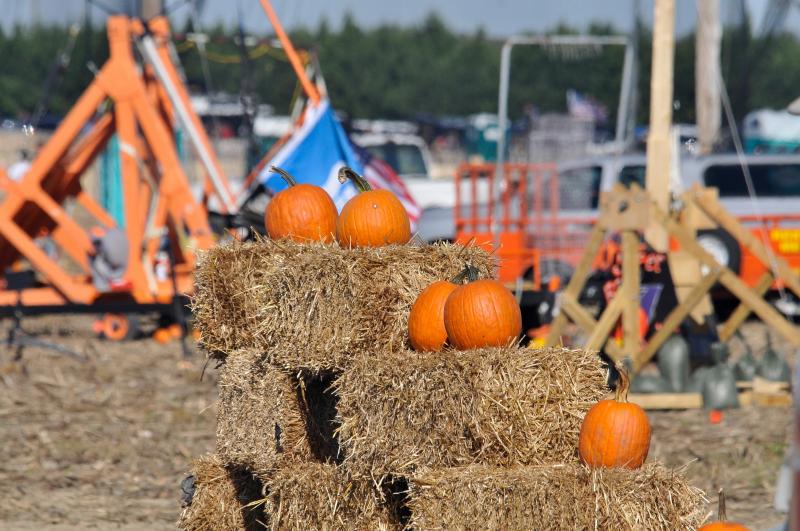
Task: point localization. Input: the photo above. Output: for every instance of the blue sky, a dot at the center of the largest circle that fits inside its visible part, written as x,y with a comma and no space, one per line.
499,17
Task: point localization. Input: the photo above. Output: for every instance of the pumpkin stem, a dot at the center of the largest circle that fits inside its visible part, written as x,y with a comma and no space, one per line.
348,174
624,383
470,273
721,508
285,174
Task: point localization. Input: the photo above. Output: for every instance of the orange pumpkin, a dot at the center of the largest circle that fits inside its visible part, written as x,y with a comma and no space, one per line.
162,336
302,212
481,313
426,320
615,433
373,218
722,524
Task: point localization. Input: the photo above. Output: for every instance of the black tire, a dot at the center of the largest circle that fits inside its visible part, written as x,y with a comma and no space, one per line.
725,240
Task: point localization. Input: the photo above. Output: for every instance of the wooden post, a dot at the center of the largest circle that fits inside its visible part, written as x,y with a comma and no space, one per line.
577,282
706,74
630,291
659,141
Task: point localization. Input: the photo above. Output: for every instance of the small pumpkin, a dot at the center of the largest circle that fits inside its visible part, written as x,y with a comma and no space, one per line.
481,313
302,212
722,524
426,328
615,433
372,218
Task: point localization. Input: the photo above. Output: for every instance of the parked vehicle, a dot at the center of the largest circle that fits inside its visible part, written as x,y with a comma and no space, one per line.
775,199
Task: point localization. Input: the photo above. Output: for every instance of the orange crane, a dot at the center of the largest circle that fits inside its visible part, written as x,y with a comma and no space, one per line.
111,269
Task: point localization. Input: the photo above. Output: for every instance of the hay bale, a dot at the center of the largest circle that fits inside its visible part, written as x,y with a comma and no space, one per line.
495,406
224,499
555,497
321,496
264,418
316,306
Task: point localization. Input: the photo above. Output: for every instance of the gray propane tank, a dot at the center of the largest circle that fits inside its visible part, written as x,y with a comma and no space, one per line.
745,368
772,366
673,363
649,383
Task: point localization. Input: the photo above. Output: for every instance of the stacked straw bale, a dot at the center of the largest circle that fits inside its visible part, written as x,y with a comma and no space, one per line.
566,496
317,306
495,406
345,427
321,496
225,499
262,418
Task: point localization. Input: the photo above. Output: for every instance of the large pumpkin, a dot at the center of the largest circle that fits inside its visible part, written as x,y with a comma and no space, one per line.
302,212
722,524
426,328
481,313
615,433
373,218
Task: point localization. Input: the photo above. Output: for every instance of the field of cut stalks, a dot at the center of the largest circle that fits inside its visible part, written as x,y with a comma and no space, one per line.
106,443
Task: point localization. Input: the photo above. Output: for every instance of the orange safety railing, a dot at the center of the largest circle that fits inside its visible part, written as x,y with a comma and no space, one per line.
503,222
524,221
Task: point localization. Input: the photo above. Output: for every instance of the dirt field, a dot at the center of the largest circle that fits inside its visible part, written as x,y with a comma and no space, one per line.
104,445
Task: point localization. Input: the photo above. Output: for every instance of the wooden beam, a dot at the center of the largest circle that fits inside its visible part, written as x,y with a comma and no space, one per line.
667,400
599,335
630,292
583,319
659,139
653,401
764,310
707,74
716,211
742,311
576,283
676,317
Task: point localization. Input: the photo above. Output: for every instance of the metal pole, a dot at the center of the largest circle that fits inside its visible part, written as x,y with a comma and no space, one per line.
625,91
294,59
502,121
150,8
150,53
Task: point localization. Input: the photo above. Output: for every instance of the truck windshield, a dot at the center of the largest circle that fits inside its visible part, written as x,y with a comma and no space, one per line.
769,180
405,159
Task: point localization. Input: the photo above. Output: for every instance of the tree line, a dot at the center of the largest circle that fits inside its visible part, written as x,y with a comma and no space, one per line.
399,72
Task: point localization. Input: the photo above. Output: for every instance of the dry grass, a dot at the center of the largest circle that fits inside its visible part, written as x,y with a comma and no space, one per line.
316,306
554,497
496,406
223,499
259,419
319,496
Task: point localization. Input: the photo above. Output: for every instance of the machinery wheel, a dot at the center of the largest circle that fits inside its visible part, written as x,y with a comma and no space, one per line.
119,327
722,246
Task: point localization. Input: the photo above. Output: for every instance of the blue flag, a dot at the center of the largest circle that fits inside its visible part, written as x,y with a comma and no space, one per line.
314,154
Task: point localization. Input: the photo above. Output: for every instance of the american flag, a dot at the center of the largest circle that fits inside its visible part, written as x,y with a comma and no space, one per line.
579,106
380,175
